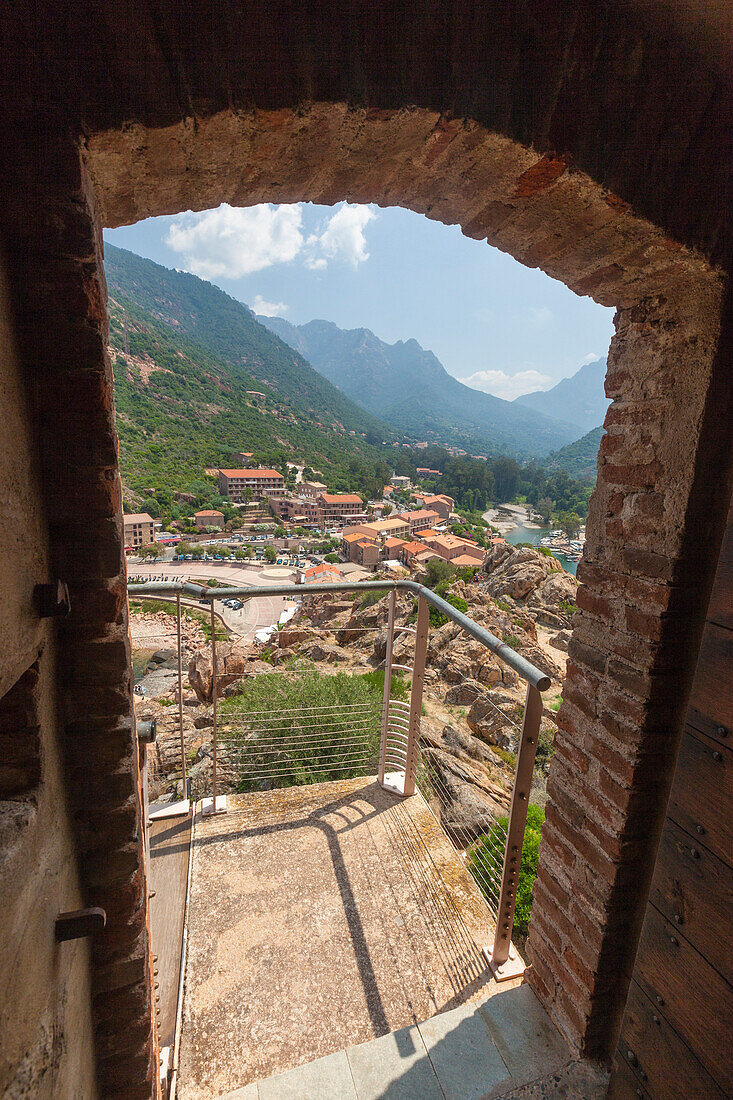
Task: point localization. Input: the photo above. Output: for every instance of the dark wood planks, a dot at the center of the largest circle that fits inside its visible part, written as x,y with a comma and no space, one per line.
658,1057
693,994
701,801
694,890
170,841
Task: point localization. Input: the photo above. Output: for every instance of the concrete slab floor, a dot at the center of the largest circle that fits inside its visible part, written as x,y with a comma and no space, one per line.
320,918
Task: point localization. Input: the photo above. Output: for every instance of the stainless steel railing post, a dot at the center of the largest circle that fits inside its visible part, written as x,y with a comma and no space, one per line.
180,693
515,830
387,685
418,680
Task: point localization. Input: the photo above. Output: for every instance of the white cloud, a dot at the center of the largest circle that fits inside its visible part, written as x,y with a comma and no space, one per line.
591,357
230,242
268,309
341,239
508,386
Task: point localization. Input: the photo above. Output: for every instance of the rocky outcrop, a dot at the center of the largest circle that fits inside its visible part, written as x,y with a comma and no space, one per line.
231,663
468,781
496,719
528,576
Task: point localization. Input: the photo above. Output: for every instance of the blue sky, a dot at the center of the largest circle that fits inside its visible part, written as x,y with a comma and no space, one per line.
496,325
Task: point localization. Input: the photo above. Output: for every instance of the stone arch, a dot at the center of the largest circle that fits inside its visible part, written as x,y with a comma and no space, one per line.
585,140
546,214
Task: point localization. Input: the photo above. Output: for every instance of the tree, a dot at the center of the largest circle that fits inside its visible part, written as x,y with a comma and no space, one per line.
239,555
154,550
332,558
544,507
269,554
570,523
249,552
198,552
387,510
184,547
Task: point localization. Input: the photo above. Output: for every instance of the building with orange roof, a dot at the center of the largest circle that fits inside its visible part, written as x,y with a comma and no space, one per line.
420,519
392,548
235,484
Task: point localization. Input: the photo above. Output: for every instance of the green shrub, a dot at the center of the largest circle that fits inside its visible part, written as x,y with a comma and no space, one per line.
513,641
300,746
503,606
491,847
567,606
437,618
370,598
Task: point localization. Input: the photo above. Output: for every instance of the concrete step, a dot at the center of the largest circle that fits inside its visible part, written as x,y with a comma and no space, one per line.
474,1052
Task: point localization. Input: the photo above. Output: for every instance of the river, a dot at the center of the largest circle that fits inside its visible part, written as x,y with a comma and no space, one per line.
533,535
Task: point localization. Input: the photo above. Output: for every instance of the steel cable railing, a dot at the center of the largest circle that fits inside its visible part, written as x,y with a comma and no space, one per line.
292,740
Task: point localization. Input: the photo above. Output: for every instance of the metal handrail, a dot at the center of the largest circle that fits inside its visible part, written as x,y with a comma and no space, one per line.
404,755
504,652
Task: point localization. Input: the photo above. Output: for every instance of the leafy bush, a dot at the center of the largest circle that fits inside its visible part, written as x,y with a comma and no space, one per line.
491,847
567,606
437,618
370,598
513,641
299,745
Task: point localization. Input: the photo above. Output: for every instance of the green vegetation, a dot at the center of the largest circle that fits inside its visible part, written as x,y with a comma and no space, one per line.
513,641
287,753
578,459
185,401
490,846
369,599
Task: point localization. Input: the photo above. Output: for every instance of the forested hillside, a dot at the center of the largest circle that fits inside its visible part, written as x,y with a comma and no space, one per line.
578,459
181,407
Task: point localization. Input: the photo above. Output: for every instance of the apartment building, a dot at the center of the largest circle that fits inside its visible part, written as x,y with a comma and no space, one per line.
312,489
392,548
421,520
234,484
339,508
425,471
450,547
209,517
441,504
245,457
139,529
399,482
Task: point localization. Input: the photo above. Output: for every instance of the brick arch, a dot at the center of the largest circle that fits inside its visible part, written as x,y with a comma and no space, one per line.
618,730
514,127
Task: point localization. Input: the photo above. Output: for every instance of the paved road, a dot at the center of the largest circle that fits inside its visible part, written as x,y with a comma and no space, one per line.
255,615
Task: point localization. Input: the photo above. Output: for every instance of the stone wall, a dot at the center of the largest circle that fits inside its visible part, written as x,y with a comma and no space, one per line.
52,247
45,987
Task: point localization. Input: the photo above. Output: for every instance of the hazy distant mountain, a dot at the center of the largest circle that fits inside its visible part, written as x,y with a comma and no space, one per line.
409,388
578,459
579,399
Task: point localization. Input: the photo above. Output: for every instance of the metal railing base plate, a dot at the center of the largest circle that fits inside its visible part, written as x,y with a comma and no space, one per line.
394,782
514,967
207,805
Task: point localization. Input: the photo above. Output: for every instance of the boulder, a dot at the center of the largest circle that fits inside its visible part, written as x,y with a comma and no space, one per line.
494,720
560,640
466,692
288,638
230,666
